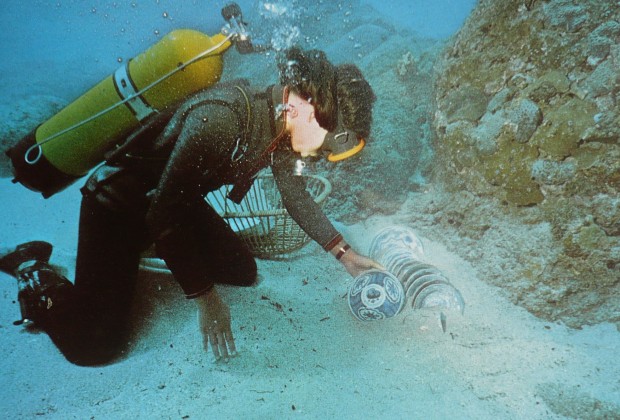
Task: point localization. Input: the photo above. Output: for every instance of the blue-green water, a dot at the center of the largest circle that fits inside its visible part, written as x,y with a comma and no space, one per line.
302,353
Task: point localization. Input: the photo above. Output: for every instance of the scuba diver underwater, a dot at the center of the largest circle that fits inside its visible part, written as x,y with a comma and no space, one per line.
164,134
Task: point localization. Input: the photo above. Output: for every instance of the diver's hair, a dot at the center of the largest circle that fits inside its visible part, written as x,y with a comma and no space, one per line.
311,76
355,99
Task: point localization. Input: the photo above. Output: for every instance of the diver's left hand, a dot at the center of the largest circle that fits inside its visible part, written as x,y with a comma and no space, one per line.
214,323
356,264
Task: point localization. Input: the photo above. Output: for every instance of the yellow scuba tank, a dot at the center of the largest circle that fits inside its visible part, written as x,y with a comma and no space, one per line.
72,142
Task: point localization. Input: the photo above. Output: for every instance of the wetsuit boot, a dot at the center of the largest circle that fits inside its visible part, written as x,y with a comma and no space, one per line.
40,288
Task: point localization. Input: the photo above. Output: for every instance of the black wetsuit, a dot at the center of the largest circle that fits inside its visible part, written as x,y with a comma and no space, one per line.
152,191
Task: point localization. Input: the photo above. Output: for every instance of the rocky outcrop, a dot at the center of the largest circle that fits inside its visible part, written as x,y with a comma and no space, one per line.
527,116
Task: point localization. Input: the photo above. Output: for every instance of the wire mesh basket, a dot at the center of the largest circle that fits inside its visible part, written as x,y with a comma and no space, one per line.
261,219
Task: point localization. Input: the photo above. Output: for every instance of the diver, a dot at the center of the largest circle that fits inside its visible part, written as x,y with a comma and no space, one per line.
151,192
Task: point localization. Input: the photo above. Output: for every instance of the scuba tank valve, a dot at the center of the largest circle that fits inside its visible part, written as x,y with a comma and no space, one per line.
238,27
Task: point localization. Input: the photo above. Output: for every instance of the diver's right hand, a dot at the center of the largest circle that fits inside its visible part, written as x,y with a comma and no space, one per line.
214,322
356,264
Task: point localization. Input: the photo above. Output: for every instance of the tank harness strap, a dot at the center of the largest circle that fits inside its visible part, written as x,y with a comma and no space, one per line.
129,151
126,88
148,130
268,96
248,108
246,178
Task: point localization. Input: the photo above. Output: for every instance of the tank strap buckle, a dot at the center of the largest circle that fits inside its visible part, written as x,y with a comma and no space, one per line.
127,90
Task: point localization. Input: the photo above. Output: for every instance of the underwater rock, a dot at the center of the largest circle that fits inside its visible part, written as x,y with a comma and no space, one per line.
497,140
598,44
516,121
606,213
523,117
598,172
510,169
604,80
406,66
564,128
467,103
547,145
499,100
565,15
553,173
548,86
586,239
485,135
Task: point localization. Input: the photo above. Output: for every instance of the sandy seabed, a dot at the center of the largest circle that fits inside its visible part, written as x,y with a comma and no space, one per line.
301,352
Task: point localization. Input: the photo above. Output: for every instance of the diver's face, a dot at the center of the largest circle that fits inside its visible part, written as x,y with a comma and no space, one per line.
307,135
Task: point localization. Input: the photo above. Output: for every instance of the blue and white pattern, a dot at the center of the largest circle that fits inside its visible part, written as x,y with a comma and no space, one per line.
376,294
399,239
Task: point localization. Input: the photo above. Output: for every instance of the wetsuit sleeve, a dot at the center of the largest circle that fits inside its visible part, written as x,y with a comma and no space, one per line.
301,206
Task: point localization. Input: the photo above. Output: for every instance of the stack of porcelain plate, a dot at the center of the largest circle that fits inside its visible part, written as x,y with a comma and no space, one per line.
375,295
401,252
